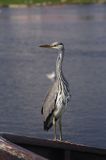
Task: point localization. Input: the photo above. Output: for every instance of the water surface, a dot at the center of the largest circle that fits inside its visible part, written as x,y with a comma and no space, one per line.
23,68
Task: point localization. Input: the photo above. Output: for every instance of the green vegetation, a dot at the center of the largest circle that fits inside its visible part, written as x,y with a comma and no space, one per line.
7,2
29,2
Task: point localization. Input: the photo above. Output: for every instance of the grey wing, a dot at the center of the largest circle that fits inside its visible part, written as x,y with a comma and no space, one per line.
49,102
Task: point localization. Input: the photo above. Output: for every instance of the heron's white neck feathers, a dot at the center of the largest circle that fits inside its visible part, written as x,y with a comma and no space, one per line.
59,64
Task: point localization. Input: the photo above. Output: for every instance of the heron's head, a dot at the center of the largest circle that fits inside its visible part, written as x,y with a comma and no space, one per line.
55,45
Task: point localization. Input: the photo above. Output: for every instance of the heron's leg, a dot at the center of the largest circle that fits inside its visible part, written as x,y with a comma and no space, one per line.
54,124
60,127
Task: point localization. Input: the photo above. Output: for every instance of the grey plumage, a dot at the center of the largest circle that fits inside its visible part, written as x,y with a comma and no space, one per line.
51,101
58,96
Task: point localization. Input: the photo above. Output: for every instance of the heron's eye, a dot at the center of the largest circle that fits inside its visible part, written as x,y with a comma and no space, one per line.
55,45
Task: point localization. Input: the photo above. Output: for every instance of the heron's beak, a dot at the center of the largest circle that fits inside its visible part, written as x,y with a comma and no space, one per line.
45,46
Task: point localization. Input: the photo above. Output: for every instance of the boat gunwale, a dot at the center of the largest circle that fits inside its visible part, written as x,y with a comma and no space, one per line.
65,145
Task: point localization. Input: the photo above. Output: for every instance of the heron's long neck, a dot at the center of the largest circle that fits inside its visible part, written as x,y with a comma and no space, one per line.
59,61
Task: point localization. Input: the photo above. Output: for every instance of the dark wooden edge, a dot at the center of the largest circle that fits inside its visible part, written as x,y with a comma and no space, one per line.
17,139
9,150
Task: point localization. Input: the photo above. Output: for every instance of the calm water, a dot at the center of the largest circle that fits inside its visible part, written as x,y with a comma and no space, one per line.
23,68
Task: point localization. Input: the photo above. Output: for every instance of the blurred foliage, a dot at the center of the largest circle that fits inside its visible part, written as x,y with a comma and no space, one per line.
7,2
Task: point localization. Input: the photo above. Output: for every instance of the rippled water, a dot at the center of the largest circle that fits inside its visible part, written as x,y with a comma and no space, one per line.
23,68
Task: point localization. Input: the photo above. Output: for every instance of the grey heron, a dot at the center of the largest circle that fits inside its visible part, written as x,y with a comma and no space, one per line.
58,96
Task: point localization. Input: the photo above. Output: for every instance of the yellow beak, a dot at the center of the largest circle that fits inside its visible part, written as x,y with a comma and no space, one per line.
45,46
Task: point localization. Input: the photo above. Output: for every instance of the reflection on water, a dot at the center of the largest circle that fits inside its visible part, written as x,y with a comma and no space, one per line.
23,69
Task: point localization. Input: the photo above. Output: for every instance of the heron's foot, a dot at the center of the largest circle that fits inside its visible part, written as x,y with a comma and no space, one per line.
60,139
54,139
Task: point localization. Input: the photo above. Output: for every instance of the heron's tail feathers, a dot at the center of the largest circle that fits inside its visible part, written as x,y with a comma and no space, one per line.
48,123
47,126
